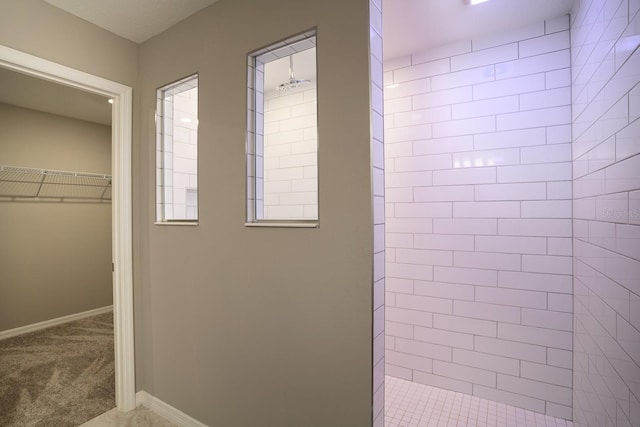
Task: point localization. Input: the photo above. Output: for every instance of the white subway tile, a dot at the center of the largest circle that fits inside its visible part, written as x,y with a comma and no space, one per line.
623,176
397,105
514,399
461,176
463,78
399,240
559,134
409,225
535,389
409,271
509,156
407,133
512,349
559,246
547,209
545,99
443,97
483,57
511,244
408,317
443,194
512,297
547,264
470,276
408,361
486,361
534,118
465,226
445,338
393,284
443,382
547,319
546,154
560,358
423,210
408,179
545,44
443,241
401,90
548,62
560,302
397,329
464,325
558,78
421,116
456,48
423,163
444,290
465,373
479,310
464,127
423,349
533,173
443,145
559,411
486,107
399,62
521,191
487,260
508,139
533,335
559,190
395,195
535,282
628,338
511,86
421,303
422,256
420,71
486,209
521,33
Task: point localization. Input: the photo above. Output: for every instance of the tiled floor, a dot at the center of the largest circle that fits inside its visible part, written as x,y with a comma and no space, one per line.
409,404
139,417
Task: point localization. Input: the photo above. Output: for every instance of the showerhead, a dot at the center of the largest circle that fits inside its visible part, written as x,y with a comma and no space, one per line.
292,83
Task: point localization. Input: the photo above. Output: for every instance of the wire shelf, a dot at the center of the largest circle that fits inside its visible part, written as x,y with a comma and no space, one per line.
20,182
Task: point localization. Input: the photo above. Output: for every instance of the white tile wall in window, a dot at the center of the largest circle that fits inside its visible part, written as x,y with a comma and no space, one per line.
478,173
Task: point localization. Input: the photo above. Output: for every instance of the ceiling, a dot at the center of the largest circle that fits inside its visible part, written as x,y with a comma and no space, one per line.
136,20
37,94
409,25
415,25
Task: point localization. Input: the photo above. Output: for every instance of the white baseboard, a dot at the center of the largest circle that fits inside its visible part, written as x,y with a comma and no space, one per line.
53,322
167,411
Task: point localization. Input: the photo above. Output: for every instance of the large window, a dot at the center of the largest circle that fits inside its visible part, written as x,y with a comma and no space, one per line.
177,152
282,150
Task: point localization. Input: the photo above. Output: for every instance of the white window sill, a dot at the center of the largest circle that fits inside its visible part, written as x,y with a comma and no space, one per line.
191,223
282,224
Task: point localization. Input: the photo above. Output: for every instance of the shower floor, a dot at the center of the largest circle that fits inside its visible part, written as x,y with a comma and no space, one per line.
409,404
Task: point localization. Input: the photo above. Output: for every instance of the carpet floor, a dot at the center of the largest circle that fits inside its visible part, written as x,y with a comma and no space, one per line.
61,376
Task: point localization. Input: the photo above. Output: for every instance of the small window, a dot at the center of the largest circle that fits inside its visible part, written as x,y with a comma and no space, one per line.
177,151
282,152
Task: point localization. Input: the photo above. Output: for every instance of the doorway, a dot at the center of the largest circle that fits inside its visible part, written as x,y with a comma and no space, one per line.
121,202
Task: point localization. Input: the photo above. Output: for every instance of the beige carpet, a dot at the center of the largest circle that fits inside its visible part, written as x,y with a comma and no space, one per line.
60,376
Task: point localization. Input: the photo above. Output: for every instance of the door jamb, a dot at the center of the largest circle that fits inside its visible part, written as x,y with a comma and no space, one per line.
121,204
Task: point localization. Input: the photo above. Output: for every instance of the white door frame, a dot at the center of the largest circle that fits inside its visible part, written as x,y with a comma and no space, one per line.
121,204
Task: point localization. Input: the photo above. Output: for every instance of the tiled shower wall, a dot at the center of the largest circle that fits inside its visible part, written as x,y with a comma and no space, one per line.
606,171
378,193
478,217
291,153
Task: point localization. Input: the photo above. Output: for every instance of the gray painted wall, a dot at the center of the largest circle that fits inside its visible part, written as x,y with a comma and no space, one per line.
239,326
254,326
55,257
